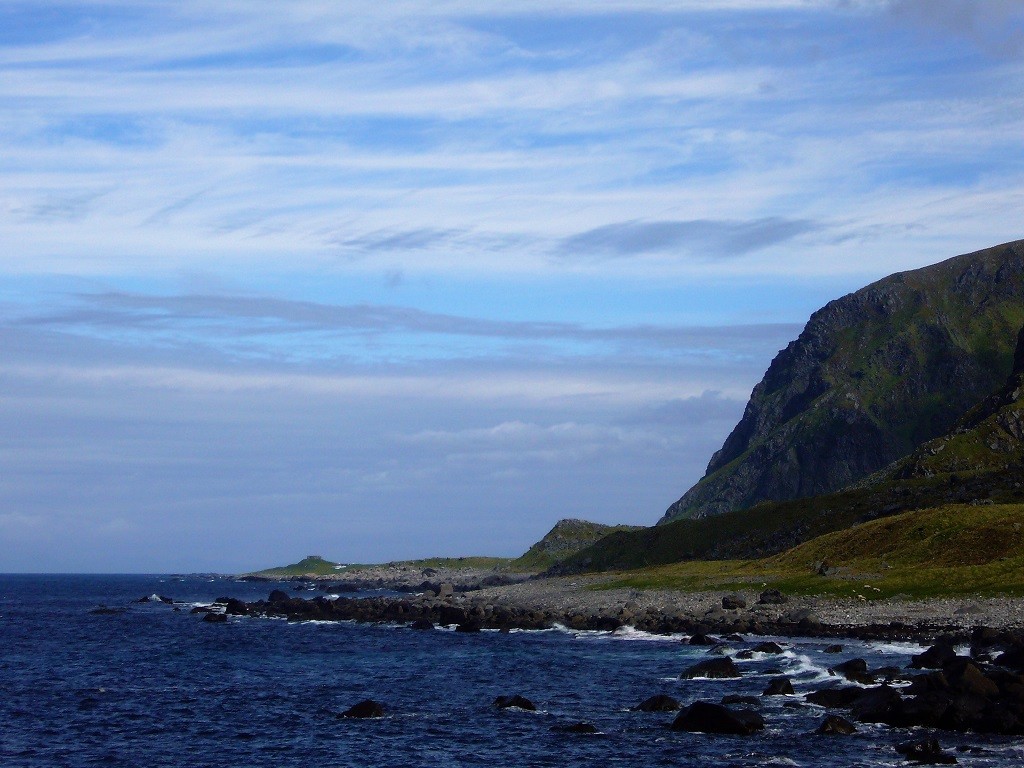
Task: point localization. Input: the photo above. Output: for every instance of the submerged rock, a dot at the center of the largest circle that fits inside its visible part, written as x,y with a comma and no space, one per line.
836,725
514,702
705,717
366,708
925,752
658,703
719,668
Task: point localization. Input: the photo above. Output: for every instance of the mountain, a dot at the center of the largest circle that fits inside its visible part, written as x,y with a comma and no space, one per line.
872,376
566,538
978,463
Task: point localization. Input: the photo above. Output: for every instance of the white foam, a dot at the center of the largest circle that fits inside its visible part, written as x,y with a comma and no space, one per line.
802,665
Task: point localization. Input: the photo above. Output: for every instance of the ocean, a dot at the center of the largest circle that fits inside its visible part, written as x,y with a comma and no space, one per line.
151,684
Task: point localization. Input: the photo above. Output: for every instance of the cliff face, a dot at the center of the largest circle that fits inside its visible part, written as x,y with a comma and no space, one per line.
872,376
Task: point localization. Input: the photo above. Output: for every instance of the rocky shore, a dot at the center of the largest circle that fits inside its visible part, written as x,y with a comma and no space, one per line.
970,679
486,600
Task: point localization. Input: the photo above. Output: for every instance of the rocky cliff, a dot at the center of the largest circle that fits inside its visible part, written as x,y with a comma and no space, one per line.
873,375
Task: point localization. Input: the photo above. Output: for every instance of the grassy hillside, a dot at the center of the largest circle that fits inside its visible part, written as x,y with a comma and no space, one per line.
872,376
945,551
311,565
565,539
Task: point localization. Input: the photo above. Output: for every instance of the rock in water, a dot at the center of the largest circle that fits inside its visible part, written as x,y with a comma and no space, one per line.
925,752
705,717
779,686
367,708
658,703
514,702
836,725
720,668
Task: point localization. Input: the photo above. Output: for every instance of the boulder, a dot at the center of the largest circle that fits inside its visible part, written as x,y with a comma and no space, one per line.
925,752
768,647
772,597
854,670
278,596
422,624
657,703
733,602
876,705
215,618
935,657
840,698
702,639
514,702
705,717
236,607
718,668
779,686
367,708
836,725
835,648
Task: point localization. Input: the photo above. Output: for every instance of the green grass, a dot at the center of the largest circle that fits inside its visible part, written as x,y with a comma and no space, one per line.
954,550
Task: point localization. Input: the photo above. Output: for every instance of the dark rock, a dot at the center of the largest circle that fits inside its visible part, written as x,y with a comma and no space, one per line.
236,607
965,676
768,647
469,626
719,668
422,624
733,602
657,703
876,705
278,596
934,658
514,702
926,752
838,698
834,724
772,597
779,686
927,682
215,618
854,670
583,728
833,649
705,717
367,708
702,639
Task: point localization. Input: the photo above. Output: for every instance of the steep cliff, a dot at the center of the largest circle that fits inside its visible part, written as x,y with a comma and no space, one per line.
872,376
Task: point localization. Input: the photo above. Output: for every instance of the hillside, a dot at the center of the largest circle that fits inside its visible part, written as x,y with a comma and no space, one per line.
565,539
944,551
980,461
872,376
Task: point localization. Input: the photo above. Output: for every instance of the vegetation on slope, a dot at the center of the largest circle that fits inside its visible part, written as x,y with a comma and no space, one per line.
872,376
566,538
945,551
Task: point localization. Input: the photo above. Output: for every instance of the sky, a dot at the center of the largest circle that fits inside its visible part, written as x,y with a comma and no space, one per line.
379,281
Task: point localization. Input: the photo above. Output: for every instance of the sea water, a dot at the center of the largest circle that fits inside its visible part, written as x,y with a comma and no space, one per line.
149,685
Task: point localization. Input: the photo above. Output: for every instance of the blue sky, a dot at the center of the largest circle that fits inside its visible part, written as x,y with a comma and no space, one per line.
388,280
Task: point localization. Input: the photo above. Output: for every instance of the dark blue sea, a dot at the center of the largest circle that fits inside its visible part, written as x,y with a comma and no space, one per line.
154,686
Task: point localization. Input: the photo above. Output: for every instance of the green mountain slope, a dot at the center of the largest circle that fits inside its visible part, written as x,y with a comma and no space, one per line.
565,539
980,461
872,376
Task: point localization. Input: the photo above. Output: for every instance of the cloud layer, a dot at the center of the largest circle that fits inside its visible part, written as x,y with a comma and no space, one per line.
409,278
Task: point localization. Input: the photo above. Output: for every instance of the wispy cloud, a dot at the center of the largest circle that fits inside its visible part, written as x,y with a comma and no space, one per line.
700,237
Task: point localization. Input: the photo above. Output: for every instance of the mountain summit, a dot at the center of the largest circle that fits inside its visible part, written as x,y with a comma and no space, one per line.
873,375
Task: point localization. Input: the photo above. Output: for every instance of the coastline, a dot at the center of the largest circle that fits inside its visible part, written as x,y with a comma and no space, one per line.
580,602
